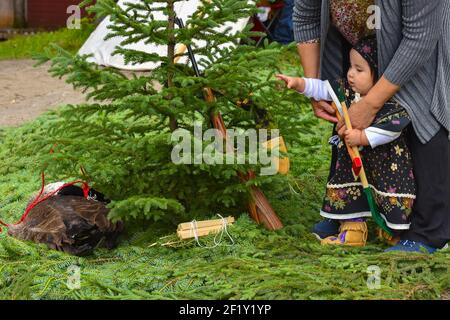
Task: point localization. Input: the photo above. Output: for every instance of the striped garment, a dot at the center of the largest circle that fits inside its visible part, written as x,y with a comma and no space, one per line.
413,52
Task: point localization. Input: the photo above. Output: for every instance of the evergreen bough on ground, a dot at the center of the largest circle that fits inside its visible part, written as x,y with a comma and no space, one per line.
151,264
286,264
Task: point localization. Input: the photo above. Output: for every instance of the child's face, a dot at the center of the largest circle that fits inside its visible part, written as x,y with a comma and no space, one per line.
359,75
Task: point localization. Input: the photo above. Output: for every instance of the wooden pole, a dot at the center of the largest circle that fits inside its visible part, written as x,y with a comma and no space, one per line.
19,14
348,124
170,55
6,13
205,223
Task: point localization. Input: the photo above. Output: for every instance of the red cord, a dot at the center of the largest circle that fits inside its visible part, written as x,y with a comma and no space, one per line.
38,199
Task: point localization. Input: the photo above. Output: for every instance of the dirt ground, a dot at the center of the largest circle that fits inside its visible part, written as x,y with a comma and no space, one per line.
26,92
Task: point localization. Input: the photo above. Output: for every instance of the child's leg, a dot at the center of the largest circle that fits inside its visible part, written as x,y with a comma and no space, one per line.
326,228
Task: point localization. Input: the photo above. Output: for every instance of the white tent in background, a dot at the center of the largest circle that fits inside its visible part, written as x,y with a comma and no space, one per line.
102,50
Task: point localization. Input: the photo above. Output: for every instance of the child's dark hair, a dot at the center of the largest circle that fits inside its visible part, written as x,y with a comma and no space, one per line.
367,48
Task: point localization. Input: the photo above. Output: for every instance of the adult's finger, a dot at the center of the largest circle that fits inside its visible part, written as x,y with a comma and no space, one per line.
327,107
322,110
341,131
340,124
325,116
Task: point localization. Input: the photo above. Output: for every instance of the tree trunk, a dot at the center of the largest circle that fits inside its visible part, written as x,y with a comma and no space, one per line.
171,54
19,14
6,13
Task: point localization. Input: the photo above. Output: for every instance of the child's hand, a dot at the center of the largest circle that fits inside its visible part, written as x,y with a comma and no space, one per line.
292,82
352,137
355,138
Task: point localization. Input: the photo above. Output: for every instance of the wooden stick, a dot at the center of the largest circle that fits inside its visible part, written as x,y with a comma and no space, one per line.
205,223
180,50
283,163
356,161
348,124
187,234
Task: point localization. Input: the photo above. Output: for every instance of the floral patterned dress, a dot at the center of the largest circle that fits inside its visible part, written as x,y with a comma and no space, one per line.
388,168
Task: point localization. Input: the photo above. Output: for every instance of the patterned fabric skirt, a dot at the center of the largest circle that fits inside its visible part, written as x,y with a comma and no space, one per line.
390,174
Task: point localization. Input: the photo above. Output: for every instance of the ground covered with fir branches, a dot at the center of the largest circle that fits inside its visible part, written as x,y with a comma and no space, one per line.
287,264
150,263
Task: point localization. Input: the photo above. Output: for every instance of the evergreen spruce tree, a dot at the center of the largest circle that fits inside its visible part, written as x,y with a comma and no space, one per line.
122,136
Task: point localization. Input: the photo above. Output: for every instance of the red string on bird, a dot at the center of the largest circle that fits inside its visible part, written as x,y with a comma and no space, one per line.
38,199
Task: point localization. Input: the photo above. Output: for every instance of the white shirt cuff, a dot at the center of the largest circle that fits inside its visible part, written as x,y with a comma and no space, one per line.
378,137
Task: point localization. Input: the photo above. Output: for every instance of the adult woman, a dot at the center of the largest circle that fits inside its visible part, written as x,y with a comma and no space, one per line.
413,62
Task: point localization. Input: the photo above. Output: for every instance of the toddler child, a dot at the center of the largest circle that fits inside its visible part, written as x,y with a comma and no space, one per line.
384,151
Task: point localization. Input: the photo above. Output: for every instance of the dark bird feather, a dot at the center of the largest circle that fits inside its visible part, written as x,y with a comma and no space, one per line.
69,223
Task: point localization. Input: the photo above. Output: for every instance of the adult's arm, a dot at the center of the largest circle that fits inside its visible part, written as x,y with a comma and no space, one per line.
422,22
363,112
306,21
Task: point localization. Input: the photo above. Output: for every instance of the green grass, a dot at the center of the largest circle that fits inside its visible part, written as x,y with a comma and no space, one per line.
22,47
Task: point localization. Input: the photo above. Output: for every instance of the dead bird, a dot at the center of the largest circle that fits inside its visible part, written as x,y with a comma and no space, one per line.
69,222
